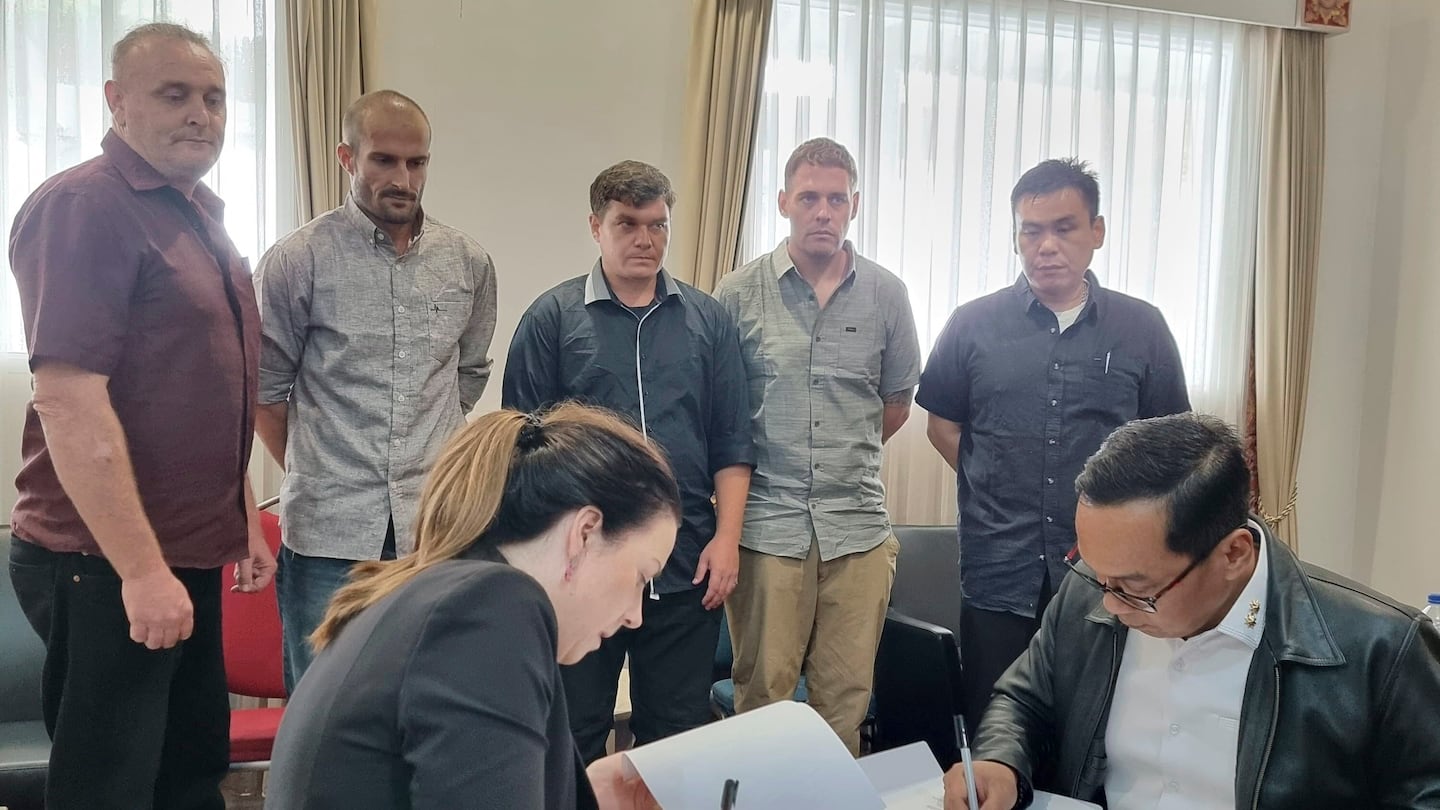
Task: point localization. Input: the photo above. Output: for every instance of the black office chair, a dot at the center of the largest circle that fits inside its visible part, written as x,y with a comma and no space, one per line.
917,687
24,745
927,576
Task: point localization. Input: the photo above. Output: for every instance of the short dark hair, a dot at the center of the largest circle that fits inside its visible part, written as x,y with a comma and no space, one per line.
631,182
156,30
1192,463
822,152
352,127
1057,174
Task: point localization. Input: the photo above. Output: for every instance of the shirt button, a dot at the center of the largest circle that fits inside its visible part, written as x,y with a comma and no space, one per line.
1053,330
817,465
1049,519
402,353
1057,366
817,338
1180,665
1174,729
817,423
1051,441
1054,402
400,397
1049,480
1175,786
1042,557
400,309
815,381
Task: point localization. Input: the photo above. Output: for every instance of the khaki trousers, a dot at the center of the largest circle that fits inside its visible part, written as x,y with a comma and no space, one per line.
822,619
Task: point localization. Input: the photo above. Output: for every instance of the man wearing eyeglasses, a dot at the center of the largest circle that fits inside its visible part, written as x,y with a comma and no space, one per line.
1194,662
1022,386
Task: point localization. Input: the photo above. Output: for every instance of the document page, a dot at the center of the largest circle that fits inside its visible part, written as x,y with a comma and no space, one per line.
908,778
784,756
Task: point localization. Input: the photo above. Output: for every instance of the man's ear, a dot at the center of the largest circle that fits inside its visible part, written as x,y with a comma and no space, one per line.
1238,548
346,155
114,98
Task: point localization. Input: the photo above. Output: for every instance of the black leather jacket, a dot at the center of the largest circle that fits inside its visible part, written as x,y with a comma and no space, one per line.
1341,708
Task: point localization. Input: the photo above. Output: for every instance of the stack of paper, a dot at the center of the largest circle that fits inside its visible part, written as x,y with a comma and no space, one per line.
785,757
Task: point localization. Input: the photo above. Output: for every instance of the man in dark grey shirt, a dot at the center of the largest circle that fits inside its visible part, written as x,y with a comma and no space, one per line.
377,321
629,337
1022,386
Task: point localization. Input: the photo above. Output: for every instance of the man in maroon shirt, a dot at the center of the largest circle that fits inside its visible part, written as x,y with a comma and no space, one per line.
143,338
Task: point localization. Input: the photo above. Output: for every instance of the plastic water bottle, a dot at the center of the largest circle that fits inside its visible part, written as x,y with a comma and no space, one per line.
1433,609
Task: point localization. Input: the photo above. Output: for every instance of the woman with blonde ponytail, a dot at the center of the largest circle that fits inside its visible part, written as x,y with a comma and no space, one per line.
437,680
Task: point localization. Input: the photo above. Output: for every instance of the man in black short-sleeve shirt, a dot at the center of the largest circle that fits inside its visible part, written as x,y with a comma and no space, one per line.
1022,386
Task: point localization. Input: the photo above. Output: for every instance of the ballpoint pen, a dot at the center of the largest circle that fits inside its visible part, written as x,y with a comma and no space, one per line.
963,743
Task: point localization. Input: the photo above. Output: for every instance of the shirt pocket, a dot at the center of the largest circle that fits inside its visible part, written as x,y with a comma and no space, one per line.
857,351
449,312
1111,388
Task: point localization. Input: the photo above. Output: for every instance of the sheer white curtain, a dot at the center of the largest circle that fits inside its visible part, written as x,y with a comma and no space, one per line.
54,60
944,103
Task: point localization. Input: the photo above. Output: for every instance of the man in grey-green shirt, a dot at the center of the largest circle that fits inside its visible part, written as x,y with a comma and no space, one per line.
832,359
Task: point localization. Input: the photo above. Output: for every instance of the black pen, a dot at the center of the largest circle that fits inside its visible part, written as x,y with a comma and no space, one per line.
729,794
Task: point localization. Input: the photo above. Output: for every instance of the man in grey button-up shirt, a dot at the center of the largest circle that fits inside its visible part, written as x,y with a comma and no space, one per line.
377,322
830,350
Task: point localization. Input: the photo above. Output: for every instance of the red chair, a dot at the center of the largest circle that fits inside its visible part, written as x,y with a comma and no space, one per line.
250,626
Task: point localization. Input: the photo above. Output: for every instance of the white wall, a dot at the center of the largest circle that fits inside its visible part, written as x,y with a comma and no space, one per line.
1335,426
1368,470
1398,477
529,100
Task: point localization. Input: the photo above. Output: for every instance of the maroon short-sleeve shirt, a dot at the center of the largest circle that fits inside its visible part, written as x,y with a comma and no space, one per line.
120,274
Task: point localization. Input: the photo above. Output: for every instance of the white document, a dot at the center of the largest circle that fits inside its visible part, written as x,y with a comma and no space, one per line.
783,755
786,758
908,778
1049,801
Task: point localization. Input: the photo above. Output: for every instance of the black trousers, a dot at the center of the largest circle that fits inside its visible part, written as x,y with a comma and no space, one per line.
990,641
672,659
131,728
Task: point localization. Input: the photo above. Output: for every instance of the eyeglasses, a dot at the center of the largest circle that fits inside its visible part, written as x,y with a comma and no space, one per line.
1145,604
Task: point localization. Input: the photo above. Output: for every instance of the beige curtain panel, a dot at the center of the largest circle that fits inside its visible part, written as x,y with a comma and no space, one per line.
727,62
326,74
1287,252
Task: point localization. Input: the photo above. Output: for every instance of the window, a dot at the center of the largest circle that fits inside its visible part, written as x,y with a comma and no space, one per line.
944,103
54,59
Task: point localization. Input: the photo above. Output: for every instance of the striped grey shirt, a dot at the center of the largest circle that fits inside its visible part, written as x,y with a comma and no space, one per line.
817,381
380,358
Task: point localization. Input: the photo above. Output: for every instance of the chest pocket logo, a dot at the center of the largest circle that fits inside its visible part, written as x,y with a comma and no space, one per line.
858,355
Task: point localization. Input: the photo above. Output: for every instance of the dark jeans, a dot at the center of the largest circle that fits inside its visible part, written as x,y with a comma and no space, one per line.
672,659
990,641
130,727
303,588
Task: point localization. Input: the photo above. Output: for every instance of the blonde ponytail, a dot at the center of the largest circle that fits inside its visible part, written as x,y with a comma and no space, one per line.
458,503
